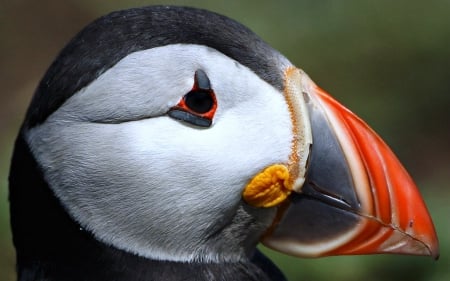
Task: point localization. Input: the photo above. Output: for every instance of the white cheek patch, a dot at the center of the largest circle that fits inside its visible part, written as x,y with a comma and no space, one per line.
157,186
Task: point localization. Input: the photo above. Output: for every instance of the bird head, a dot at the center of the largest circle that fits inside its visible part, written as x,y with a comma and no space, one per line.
178,134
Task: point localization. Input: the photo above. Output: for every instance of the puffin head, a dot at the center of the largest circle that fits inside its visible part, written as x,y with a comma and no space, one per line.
177,134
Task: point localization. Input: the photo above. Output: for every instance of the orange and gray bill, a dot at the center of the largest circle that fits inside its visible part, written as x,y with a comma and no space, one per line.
357,197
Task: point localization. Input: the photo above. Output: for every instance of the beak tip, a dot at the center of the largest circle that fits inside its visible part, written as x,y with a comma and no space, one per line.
432,245
403,243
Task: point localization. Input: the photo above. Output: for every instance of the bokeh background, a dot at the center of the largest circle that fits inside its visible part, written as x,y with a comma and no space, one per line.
389,61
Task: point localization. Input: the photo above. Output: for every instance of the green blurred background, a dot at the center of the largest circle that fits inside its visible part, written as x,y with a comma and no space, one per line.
389,61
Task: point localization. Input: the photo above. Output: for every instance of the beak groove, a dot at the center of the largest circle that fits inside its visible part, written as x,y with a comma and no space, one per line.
316,192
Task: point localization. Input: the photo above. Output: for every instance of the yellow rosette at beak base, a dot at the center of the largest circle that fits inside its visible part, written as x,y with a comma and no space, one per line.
268,188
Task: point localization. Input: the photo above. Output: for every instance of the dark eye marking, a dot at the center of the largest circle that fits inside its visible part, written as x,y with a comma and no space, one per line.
199,105
201,81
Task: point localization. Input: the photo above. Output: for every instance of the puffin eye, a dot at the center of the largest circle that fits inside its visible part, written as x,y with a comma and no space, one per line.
199,101
199,105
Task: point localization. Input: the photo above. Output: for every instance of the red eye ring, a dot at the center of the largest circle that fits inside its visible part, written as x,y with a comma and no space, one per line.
199,105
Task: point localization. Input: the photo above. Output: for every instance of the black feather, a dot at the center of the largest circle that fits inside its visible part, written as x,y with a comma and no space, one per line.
110,38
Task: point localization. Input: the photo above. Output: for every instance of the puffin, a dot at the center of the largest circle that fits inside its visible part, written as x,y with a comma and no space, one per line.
166,143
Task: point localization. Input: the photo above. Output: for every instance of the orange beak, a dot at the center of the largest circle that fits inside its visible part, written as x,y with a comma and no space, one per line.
357,197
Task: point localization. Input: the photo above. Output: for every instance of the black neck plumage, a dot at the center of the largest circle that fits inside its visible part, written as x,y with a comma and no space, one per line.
52,246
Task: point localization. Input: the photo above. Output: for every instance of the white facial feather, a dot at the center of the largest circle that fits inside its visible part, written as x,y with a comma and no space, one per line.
155,186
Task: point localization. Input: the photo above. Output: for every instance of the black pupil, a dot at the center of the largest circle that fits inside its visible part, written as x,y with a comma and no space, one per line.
199,101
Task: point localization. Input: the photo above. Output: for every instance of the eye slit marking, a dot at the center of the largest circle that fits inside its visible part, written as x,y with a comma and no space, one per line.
201,81
190,118
199,105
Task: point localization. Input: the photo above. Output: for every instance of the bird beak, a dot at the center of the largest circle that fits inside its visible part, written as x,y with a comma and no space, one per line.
357,198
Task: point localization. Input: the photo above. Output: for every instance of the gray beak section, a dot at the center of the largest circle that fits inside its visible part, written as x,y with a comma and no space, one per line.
325,208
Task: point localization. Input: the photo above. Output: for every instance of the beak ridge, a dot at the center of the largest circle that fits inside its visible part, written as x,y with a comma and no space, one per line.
357,197
396,202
